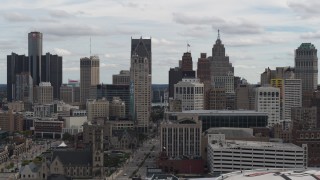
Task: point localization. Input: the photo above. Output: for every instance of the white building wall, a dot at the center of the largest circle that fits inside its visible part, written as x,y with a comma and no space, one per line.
292,89
191,94
227,156
268,100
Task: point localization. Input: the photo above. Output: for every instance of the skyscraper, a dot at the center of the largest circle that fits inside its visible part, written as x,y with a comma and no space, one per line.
203,71
35,53
142,48
222,71
186,63
306,66
306,69
16,64
140,91
89,76
51,71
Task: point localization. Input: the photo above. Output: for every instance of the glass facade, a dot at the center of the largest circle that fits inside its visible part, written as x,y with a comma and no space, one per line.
239,121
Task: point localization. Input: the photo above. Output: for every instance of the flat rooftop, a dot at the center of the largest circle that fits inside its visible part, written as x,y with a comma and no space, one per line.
274,174
255,144
221,112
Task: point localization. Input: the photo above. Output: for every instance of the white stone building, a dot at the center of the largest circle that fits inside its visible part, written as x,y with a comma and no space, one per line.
268,100
97,109
233,155
191,94
292,89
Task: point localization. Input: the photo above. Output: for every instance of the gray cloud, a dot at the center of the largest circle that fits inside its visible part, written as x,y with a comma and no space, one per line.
311,35
16,17
59,14
73,30
183,19
305,8
229,27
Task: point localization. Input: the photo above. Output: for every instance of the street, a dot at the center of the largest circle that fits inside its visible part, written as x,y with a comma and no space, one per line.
138,156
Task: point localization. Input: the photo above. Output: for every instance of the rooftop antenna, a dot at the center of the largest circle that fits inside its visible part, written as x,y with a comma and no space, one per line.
188,45
218,34
90,45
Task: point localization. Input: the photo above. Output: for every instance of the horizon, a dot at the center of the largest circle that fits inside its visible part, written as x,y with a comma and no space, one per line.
256,35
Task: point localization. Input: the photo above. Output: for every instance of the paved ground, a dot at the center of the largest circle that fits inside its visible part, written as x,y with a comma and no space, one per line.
138,157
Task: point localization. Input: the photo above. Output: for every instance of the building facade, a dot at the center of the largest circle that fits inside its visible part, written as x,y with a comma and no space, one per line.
292,97
181,138
215,98
225,118
268,100
34,54
97,109
140,91
89,76
191,94
44,93
228,155
306,66
123,78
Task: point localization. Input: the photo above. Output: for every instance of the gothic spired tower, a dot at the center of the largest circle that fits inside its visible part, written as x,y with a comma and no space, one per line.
97,152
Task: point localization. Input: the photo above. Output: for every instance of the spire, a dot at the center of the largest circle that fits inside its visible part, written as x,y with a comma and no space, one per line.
218,34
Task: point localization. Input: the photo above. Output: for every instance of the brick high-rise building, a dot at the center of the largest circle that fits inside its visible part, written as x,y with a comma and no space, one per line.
186,63
89,76
203,71
140,91
215,99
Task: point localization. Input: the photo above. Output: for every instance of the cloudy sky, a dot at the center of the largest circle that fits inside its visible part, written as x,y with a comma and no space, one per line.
256,33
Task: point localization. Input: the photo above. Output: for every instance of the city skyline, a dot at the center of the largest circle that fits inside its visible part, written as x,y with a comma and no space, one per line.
256,35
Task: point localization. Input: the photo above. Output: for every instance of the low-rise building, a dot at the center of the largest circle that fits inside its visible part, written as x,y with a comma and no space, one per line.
181,138
234,155
223,118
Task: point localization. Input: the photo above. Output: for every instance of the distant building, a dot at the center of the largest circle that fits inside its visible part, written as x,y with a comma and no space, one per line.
222,72
306,66
24,88
123,78
51,71
109,91
181,138
117,108
304,118
89,76
186,63
140,91
16,64
215,98
268,100
35,55
191,94
97,109
222,118
292,89
44,93
229,155
242,97
142,48
176,75
203,71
